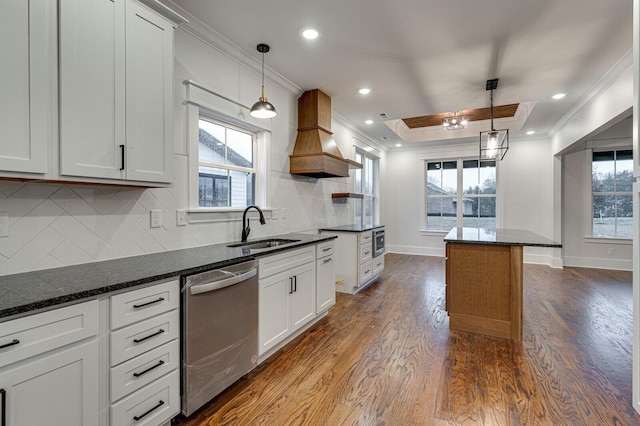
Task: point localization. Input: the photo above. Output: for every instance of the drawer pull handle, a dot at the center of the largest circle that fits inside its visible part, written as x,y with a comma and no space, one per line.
153,367
367,271
12,343
328,260
3,393
160,404
366,252
326,249
149,336
148,303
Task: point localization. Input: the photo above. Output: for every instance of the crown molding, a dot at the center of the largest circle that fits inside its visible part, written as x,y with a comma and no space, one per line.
624,64
198,29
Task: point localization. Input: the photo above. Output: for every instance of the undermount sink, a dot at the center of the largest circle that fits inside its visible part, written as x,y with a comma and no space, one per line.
263,244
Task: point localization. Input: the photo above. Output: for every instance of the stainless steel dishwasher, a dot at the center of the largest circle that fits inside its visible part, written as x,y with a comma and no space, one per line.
219,331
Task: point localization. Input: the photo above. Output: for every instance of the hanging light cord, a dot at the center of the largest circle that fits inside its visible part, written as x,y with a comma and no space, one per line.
492,129
262,98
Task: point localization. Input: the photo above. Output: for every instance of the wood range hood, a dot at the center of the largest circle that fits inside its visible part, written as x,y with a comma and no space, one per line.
315,153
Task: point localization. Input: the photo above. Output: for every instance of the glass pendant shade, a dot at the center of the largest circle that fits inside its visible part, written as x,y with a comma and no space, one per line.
494,144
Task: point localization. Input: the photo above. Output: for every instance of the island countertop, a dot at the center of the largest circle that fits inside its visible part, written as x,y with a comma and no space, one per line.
499,236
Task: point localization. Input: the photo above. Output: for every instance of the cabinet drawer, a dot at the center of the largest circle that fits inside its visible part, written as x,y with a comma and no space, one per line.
152,405
366,272
132,375
282,261
366,251
378,264
29,336
325,249
138,305
366,237
143,336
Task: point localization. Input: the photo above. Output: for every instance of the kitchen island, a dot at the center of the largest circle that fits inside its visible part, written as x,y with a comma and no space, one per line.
484,279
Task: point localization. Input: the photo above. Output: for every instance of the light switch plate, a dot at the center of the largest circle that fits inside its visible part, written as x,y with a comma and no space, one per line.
4,224
181,217
284,213
275,213
156,218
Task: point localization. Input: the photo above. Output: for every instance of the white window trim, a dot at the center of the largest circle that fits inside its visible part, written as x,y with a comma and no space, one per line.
613,145
197,214
422,164
372,153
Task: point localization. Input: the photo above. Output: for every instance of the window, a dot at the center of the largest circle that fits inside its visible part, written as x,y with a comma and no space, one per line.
460,193
612,200
366,183
226,165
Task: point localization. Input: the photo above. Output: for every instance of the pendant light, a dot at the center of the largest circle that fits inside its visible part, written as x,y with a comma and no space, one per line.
493,143
263,108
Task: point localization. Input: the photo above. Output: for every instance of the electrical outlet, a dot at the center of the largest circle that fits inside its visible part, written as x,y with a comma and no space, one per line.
284,213
156,218
274,213
181,217
4,224
611,251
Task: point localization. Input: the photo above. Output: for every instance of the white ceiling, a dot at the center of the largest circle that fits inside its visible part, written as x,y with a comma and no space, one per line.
422,57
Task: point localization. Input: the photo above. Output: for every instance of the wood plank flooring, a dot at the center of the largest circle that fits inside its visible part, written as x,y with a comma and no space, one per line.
386,357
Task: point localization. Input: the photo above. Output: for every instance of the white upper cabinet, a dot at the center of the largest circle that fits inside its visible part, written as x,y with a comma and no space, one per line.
116,76
149,122
26,29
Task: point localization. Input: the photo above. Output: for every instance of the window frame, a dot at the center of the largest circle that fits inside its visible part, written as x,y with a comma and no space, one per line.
589,190
230,167
459,196
374,196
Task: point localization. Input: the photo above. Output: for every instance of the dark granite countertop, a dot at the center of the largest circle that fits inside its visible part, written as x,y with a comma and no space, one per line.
29,291
507,237
351,228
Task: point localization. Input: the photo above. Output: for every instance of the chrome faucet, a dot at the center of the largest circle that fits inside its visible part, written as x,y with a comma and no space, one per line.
245,222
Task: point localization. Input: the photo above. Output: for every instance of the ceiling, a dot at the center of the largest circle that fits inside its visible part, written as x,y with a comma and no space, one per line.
425,57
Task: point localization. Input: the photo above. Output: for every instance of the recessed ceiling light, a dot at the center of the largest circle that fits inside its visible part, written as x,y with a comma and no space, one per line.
531,132
398,145
364,91
310,33
559,96
369,121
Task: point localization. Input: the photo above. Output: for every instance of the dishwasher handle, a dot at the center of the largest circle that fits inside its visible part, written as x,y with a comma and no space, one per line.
217,285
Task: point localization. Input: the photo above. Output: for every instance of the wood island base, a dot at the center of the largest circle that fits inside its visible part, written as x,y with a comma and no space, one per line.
484,289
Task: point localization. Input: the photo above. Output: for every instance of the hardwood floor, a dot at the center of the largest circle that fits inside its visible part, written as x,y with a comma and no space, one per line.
386,357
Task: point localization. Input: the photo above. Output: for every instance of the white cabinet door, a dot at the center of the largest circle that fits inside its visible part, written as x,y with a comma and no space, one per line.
149,121
60,389
274,323
325,284
26,32
92,88
116,76
303,297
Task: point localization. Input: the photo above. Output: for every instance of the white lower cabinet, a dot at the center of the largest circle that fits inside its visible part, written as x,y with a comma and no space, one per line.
49,373
145,355
325,277
287,295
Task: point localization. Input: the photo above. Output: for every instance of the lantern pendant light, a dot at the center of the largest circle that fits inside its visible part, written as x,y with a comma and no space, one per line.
493,143
263,108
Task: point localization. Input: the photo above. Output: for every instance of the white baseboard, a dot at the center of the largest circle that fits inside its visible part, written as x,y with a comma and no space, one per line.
538,259
599,263
420,251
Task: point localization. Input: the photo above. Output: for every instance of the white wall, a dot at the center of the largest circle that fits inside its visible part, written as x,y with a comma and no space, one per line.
578,248
56,225
525,195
